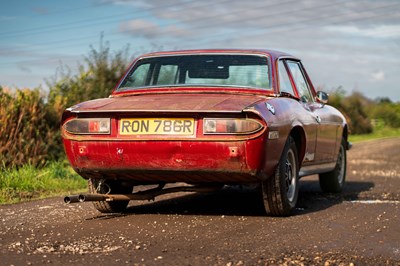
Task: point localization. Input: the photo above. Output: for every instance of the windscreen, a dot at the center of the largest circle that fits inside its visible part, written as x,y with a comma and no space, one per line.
199,70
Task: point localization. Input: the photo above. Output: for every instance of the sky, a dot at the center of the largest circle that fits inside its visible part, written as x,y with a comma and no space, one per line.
352,44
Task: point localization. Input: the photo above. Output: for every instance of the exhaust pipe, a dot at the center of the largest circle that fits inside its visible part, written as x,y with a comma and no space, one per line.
72,199
149,194
87,197
93,197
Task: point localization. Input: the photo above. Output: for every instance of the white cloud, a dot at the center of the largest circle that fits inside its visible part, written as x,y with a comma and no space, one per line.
140,27
151,30
378,75
381,31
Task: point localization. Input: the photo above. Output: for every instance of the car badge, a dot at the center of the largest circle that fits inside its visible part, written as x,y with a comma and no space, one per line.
270,108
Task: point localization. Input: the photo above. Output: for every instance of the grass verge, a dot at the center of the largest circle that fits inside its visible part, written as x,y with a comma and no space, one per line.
28,182
378,133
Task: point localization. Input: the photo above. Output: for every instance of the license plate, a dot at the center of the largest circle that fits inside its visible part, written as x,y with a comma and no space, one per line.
156,126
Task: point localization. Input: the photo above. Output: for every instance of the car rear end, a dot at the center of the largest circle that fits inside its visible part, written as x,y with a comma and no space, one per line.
168,147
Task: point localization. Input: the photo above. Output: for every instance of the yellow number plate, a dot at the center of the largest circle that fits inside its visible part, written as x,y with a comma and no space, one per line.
156,126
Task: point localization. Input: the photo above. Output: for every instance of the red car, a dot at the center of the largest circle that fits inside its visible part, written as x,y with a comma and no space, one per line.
207,118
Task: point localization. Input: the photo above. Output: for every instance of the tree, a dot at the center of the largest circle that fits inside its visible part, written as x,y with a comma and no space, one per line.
97,77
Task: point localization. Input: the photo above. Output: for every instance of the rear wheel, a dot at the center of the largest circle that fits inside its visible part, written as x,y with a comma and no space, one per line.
280,191
109,187
333,181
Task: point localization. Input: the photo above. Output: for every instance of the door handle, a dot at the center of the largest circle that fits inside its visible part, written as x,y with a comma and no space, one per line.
318,119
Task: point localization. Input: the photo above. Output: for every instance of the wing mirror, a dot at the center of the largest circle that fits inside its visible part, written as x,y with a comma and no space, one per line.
322,97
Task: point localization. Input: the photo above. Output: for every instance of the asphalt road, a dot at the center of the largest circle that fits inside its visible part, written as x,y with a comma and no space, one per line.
359,227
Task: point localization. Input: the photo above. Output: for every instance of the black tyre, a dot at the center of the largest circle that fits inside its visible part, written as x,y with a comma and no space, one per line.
109,187
280,191
333,181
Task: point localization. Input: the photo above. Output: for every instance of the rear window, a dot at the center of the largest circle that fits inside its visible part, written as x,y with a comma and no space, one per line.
199,70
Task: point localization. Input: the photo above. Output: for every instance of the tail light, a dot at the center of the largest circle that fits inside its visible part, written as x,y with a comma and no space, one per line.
230,126
88,126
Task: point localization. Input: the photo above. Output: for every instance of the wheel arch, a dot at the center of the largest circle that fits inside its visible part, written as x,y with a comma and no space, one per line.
345,136
299,136
345,133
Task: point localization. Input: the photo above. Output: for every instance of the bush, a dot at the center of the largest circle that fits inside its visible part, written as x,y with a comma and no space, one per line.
386,112
30,119
26,133
354,109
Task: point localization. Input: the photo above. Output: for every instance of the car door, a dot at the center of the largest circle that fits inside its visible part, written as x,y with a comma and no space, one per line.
287,86
326,130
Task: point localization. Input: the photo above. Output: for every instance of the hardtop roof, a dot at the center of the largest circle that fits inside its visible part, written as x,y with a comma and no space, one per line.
271,53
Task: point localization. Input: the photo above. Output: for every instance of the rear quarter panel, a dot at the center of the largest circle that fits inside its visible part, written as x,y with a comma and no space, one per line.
288,115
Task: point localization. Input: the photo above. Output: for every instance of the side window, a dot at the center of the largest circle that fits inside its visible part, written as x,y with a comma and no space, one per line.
284,81
300,81
139,78
168,75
